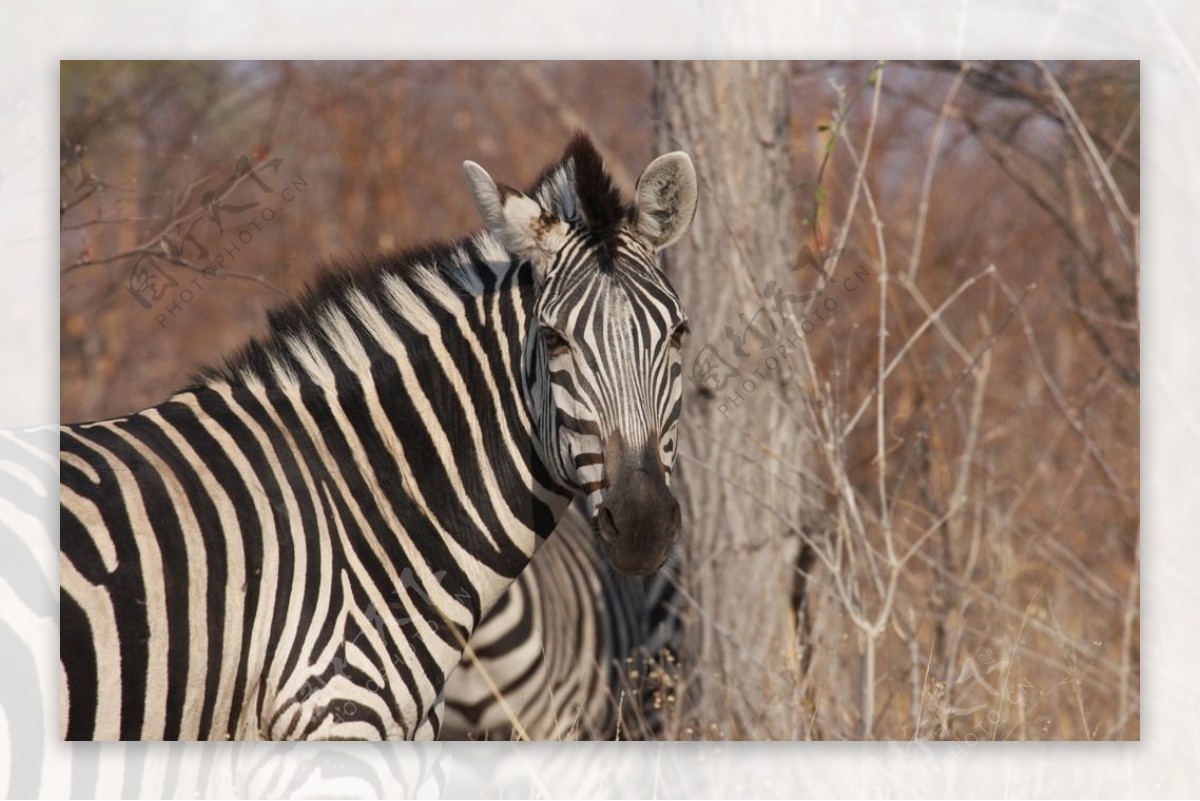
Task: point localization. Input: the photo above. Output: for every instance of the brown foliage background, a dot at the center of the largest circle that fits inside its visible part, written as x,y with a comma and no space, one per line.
1010,427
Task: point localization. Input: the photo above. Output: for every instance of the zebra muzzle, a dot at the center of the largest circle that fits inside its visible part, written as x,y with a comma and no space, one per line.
638,522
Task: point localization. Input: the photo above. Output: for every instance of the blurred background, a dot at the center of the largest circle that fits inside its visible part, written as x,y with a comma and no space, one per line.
966,563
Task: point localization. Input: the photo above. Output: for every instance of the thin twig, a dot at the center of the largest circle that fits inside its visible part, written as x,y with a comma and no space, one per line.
935,147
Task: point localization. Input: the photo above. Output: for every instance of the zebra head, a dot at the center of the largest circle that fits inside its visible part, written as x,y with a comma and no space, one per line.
602,361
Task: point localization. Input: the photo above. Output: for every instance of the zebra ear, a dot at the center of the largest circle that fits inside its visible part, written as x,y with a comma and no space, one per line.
522,227
665,200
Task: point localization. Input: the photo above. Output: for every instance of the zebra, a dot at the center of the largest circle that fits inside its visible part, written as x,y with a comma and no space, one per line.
298,544
575,650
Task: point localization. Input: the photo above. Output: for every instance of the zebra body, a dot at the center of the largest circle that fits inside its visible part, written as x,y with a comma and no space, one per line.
570,649
299,544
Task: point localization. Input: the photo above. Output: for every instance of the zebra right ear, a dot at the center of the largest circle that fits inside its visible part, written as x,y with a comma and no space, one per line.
522,227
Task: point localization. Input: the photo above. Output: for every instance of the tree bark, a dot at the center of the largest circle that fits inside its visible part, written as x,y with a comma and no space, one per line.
742,448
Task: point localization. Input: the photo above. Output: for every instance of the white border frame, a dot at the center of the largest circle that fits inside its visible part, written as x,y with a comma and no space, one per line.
1164,35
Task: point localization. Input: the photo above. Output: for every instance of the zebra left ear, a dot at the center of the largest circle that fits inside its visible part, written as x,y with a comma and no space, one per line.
665,200
522,227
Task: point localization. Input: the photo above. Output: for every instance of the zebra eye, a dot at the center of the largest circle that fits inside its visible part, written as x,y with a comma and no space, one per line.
556,344
681,331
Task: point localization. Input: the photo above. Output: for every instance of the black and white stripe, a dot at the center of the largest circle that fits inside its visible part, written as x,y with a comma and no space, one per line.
573,650
297,545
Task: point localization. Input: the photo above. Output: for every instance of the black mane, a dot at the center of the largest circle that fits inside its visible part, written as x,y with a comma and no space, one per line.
329,289
594,202
599,199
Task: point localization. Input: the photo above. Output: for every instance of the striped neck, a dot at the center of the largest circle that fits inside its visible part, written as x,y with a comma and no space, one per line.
408,373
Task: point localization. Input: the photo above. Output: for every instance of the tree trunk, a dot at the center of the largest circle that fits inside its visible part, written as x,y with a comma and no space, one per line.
742,447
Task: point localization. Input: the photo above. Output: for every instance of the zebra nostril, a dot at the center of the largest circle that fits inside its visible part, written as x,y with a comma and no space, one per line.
608,526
